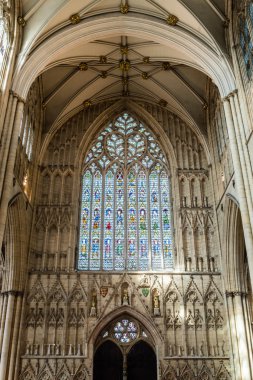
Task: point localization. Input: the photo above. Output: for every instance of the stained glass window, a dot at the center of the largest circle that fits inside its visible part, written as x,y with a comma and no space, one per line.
246,37
4,33
125,331
125,219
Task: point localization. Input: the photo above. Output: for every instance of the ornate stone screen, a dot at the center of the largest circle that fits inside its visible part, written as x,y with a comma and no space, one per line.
125,221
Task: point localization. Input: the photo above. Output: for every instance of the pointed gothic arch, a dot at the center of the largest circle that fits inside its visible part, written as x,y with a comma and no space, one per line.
125,170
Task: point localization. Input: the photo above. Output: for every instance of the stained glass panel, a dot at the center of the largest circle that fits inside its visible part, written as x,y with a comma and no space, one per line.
250,10
125,331
143,221
96,221
131,221
108,221
120,222
155,218
84,244
166,221
4,37
246,40
125,209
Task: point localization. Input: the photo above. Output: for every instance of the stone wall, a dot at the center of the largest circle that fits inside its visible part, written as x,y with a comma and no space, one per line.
65,310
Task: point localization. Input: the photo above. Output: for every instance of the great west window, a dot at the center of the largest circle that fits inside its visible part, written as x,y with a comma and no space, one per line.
125,219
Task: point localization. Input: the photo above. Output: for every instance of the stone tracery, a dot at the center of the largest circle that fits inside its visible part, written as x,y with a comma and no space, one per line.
210,175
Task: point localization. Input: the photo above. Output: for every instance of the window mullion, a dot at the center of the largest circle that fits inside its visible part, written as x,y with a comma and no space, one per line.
149,221
91,219
161,221
114,216
125,177
137,219
125,211
102,221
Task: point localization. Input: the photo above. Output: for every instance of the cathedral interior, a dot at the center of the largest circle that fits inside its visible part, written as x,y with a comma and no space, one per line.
126,189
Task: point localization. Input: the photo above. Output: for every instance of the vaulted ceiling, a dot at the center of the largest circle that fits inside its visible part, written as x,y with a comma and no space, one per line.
121,64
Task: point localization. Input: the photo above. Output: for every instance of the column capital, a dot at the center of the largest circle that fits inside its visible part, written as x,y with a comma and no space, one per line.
230,95
240,293
235,293
15,95
15,293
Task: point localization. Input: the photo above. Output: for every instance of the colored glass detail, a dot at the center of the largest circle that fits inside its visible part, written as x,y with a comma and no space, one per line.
84,245
108,221
166,221
125,221
143,221
245,38
119,222
132,221
125,331
96,221
155,218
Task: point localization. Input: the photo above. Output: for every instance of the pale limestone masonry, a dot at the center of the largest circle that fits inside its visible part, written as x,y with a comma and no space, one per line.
190,331
197,317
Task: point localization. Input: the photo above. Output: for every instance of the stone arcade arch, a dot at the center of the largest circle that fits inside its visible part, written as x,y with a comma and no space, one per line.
15,261
239,291
55,319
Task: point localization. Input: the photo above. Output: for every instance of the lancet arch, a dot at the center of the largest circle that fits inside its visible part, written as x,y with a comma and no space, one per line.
125,220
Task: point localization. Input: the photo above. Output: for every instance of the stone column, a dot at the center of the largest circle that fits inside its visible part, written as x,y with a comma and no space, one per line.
8,174
6,135
241,335
124,367
15,334
240,185
232,330
243,153
7,332
3,315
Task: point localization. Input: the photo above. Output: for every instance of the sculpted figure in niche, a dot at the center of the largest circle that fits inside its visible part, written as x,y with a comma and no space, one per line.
190,319
93,310
210,319
218,319
188,264
198,319
201,349
125,296
170,350
156,303
169,319
177,320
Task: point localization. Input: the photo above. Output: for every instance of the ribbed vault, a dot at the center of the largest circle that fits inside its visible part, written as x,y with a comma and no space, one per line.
158,51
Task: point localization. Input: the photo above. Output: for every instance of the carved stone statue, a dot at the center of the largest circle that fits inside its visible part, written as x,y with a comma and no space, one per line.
125,297
169,319
93,310
190,319
156,303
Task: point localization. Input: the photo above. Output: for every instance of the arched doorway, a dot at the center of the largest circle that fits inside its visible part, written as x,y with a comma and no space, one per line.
141,362
108,362
124,349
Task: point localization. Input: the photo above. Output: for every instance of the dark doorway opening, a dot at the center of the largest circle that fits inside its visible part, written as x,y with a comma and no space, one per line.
108,362
141,362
